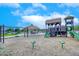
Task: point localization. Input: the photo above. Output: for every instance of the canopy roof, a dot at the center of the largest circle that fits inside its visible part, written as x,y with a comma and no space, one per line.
53,21
69,17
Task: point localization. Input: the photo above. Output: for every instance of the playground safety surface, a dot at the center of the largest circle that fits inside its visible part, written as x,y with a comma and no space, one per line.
22,46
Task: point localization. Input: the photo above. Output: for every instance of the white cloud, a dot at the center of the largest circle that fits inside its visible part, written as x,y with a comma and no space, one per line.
39,21
16,13
39,5
12,5
58,15
69,4
29,11
36,20
76,21
67,12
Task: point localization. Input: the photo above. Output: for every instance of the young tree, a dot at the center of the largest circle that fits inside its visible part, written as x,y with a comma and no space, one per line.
17,30
9,30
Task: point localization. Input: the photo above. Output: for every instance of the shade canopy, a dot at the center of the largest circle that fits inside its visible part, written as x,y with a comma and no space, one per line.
53,21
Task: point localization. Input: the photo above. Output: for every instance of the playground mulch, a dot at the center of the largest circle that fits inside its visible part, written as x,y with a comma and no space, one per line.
22,46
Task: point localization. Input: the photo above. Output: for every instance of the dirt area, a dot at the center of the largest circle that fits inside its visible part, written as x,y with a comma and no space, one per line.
22,46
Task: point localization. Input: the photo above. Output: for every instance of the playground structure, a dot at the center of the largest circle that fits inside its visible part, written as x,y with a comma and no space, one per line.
56,29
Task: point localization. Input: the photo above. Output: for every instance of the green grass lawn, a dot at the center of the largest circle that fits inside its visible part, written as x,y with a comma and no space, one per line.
9,34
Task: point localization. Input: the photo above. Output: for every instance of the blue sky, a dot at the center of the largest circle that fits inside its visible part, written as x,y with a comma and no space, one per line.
24,14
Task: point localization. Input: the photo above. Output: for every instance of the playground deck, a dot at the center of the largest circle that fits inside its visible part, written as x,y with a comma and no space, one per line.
18,46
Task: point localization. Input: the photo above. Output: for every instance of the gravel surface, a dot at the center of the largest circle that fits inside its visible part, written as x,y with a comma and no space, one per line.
22,46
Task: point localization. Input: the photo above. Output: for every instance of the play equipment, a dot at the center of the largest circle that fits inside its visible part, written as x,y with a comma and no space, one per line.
62,44
33,44
47,35
55,27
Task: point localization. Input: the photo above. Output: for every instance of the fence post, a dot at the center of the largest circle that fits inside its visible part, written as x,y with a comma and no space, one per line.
0,33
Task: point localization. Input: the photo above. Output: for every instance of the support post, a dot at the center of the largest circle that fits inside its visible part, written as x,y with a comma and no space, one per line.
73,27
24,33
27,31
60,29
56,32
66,26
0,33
3,33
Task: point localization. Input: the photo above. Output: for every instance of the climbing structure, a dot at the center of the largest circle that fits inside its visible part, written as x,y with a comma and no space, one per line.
54,27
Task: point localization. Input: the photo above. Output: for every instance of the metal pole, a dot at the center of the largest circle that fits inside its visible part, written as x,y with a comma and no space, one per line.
24,32
0,33
60,29
66,26
3,33
72,26
27,31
